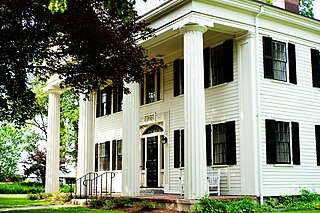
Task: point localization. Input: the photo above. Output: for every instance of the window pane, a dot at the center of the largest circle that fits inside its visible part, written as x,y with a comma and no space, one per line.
150,88
219,135
279,61
119,155
282,142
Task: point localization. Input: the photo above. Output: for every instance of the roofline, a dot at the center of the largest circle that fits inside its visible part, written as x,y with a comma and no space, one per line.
252,6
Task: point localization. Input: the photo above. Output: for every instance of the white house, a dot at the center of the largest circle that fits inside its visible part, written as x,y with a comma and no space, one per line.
241,93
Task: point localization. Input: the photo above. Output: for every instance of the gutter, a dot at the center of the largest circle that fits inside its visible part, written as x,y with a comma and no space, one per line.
260,161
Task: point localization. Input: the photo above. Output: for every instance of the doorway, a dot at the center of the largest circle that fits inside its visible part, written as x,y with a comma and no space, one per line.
152,157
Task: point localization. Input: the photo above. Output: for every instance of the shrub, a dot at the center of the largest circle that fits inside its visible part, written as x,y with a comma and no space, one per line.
66,188
118,202
33,197
96,203
20,188
229,206
145,205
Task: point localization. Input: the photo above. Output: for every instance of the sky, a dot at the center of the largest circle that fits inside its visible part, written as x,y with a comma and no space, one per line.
316,9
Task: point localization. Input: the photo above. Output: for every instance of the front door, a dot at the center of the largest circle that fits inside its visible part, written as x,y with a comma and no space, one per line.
152,161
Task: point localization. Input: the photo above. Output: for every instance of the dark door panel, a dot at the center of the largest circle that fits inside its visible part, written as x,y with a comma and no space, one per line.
152,161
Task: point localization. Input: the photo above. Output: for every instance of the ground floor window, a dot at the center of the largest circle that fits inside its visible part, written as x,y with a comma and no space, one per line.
281,147
108,154
178,148
221,144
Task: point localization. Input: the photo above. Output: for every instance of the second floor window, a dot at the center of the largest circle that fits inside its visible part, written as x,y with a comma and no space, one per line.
275,60
218,64
151,88
109,100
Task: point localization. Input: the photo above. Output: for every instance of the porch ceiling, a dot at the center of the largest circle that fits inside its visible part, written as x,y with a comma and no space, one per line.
171,42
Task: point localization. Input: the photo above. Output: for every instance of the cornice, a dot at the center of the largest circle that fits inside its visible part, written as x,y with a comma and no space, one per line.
252,7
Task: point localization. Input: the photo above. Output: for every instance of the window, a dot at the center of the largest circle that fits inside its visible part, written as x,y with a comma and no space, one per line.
178,148
275,60
117,99
150,88
104,156
116,154
317,130
104,101
315,61
221,144
218,64
278,142
109,97
178,77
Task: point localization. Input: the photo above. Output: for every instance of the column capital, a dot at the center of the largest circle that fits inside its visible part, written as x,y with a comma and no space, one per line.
54,90
193,27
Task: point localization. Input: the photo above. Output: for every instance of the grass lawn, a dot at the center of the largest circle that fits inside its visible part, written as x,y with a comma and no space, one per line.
69,209
10,202
304,211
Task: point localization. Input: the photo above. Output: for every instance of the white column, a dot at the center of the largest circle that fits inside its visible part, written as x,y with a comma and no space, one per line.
131,142
195,170
53,143
86,136
248,115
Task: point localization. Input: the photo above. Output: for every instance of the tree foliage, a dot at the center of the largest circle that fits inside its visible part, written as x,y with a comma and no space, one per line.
11,145
93,43
36,164
306,8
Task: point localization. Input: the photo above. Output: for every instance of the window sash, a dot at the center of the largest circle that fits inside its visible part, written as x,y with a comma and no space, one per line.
151,88
220,144
279,58
119,155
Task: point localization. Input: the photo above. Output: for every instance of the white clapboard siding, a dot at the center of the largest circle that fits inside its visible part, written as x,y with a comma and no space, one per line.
283,101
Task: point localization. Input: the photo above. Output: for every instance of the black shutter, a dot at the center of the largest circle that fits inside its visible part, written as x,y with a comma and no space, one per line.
96,157
228,61
114,153
176,77
295,143
142,93
176,135
315,61
292,63
317,129
271,141
114,100
208,144
267,57
158,85
107,156
182,75
231,143
98,104
182,148
120,97
143,153
206,63
109,93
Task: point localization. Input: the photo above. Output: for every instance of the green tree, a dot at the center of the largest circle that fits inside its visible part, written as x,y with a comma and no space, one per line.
93,43
12,139
306,8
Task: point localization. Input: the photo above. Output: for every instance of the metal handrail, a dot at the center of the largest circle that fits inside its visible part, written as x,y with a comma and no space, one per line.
112,175
90,183
86,181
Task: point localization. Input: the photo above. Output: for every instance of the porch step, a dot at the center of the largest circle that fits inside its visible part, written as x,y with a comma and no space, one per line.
151,191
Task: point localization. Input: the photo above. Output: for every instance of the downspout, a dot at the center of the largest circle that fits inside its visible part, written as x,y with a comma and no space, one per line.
258,106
